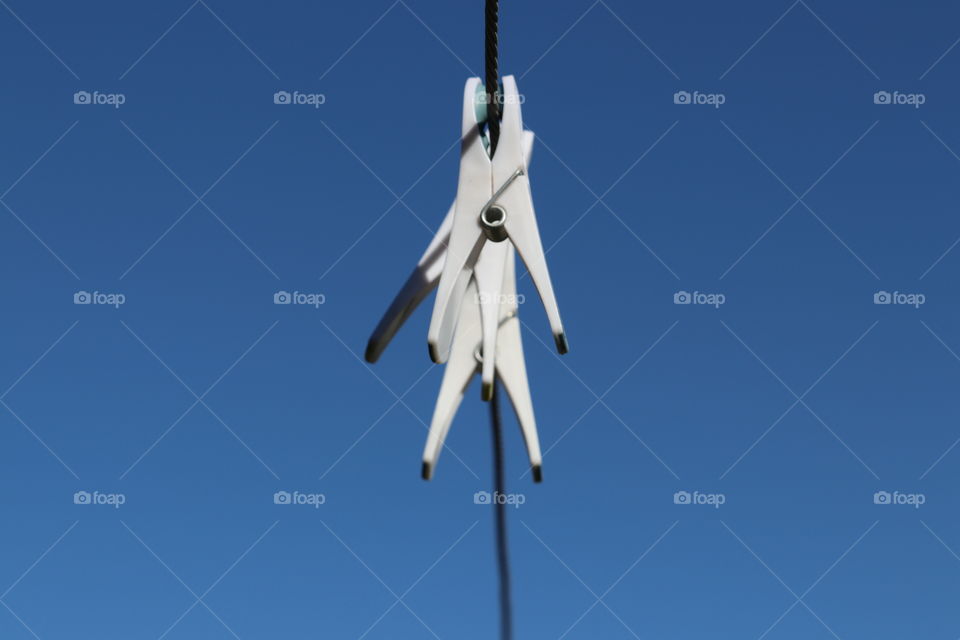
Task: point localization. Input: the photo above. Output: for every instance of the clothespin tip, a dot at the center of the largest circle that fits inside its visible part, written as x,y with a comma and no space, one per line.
537,472
486,391
562,345
373,353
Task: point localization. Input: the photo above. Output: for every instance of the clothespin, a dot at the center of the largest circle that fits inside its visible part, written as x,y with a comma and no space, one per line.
424,277
466,355
494,204
466,360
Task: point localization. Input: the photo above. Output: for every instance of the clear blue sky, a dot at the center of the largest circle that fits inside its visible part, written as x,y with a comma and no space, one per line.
198,198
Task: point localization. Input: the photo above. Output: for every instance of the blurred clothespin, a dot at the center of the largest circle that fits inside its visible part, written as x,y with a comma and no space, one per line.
493,205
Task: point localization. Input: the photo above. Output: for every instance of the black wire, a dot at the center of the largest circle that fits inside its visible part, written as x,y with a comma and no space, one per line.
500,510
492,82
492,51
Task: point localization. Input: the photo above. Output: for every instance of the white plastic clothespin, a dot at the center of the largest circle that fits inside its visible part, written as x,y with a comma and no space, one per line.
493,204
466,360
424,278
466,356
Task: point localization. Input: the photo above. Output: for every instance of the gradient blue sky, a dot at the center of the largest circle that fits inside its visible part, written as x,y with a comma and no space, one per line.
198,198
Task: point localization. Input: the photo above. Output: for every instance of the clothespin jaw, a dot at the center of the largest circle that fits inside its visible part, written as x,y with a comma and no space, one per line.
494,204
466,360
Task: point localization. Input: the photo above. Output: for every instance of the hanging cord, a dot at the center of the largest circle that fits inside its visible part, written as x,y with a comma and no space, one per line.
500,510
492,54
492,51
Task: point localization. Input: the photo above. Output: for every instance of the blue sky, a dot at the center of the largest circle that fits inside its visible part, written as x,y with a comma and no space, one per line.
798,162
